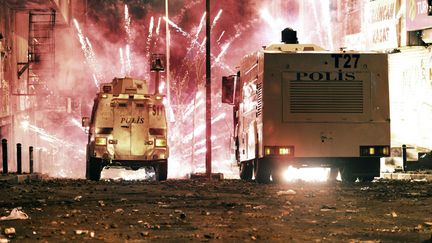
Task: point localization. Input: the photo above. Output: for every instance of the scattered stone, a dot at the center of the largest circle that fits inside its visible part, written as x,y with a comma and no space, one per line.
81,232
119,210
10,231
41,201
101,203
145,233
259,207
77,198
326,208
394,214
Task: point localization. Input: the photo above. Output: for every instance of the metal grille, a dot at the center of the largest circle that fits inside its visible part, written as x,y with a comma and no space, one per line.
259,99
326,96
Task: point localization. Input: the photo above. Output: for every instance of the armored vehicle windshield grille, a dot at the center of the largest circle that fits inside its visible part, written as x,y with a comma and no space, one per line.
326,96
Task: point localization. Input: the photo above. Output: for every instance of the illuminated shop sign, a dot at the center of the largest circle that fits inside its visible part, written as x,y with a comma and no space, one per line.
381,27
417,15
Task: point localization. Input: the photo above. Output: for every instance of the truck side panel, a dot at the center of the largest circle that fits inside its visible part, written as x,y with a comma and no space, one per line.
325,104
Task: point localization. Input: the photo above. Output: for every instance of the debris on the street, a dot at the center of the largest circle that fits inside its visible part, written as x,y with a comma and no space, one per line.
119,210
16,213
81,232
326,208
230,208
9,231
287,192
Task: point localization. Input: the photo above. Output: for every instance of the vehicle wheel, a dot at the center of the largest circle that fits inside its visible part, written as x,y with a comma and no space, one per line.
334,171
94,169
347,174
262,171
277,174
246,170
367,178
162,170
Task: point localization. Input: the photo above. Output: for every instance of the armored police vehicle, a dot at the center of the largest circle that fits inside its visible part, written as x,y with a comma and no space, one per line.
127,128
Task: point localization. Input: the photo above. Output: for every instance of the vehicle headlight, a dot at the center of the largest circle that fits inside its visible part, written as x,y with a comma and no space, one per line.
279,150
101,141
160,142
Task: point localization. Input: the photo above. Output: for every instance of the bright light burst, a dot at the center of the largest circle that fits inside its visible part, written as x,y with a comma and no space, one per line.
306,174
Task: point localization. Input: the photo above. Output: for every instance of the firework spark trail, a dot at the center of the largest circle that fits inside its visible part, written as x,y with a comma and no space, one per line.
216,18
158,26
128,61
151,26
122,63
88,53
93,59
185,34
220,37
191,105
195,39
127,22
42,132
200,26
318,22
199,129
325,12
178,29
191,108
95,80
186,7
224,48
149,37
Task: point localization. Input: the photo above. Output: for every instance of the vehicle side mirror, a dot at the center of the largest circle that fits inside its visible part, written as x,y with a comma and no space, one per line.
85,122
228,89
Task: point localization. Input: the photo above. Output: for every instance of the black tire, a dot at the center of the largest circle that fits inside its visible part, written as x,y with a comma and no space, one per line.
262,171
277,174
367,178
162,171
334,171
347,174
246,170
94,169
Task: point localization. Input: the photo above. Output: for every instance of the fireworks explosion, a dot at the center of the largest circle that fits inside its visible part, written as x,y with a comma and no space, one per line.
117,40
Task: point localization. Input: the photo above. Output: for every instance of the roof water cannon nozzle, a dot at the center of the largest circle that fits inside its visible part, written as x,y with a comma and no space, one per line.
157,63
289,36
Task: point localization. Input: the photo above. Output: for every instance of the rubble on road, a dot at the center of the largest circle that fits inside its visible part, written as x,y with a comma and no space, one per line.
230,210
